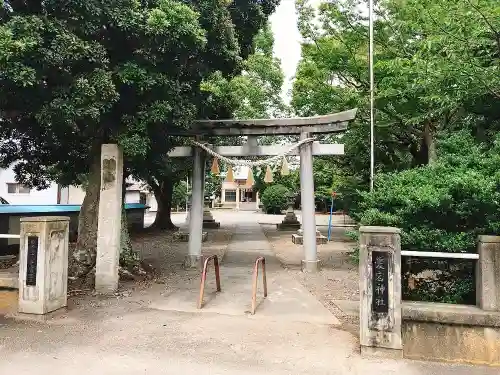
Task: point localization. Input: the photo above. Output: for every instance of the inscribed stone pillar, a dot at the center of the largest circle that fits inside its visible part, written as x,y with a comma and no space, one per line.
488,273
223,196
310,262
110,219
257,201
43,265
380,290
193,258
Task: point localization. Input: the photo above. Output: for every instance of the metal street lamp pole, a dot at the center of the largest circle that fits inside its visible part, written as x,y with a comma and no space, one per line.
372,99
187,192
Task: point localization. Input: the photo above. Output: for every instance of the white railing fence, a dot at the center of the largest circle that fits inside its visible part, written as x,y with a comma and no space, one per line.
432,254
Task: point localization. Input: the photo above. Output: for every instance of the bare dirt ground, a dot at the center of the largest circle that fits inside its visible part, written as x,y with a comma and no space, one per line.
166,254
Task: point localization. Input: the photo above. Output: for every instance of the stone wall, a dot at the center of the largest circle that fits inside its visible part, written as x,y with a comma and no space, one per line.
426,331
452,333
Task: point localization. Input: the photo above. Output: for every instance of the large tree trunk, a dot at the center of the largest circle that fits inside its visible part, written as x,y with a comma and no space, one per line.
129,259
163,194
84,256
430,142
419,155
86,246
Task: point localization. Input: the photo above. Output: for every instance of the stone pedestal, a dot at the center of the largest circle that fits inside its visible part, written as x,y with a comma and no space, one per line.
209,221
184,236
380,291
298,238
110,219
290,222
300,232
43,265
488,273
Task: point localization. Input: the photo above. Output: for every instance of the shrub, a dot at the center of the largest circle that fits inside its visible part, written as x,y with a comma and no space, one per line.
179,194
275,199
440,207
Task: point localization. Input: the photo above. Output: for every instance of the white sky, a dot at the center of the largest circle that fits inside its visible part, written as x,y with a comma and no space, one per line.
286,40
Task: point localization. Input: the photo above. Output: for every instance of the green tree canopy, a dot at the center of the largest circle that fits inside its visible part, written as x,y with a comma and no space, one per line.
436,69
254,93
79,74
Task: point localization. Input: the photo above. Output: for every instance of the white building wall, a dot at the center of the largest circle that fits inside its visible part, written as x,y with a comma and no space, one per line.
75,195
46,196
151,202
133,196
69,195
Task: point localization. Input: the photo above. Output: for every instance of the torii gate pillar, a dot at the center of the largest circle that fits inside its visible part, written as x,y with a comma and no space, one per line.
310,262
193,259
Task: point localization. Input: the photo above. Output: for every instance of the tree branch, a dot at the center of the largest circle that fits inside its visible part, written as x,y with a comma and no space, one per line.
496,32
436,23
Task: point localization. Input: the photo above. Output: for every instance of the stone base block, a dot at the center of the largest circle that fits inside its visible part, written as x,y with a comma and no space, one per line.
310,265
288,226
211,224
370,351
300,232
321,240
296,239
53,315
207,216
184,236
299,240
450,333
193,261
9,278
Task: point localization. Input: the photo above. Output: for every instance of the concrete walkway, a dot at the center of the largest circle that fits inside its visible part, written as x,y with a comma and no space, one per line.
287,299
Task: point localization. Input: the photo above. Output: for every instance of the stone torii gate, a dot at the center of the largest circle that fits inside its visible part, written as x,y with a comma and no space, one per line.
109,224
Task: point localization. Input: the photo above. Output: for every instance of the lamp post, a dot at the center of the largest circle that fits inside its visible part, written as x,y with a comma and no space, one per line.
187,192
372,98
